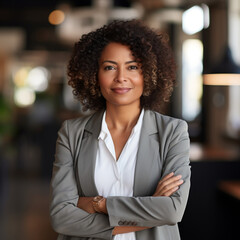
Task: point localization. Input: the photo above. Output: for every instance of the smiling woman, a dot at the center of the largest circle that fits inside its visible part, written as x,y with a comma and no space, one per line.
124,170
148,48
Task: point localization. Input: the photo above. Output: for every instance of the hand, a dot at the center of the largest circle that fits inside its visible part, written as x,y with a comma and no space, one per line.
168,185
85,203
99,204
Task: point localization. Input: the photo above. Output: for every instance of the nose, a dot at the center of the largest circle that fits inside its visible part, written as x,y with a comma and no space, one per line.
120,75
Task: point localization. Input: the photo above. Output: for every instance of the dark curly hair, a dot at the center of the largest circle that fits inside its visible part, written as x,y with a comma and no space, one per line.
147,46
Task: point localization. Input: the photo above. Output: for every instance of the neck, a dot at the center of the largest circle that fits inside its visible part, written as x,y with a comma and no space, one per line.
122,117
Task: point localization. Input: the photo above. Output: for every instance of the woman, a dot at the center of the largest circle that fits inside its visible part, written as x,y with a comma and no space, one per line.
124,170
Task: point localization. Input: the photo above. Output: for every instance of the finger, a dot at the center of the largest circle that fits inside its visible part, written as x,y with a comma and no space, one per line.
172,185
165,181
166,193
162,189
162,183
168,181
167,176
170,192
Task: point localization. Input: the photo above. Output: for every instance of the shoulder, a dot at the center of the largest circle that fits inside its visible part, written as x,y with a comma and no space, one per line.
166,120
75,123
72,131
88,123
74,126
171,132
168,124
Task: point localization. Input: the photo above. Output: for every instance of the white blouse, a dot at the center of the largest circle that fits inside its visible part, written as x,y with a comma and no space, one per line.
116,177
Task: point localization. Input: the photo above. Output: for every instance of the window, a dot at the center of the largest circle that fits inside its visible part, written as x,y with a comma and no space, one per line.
192,57
233,119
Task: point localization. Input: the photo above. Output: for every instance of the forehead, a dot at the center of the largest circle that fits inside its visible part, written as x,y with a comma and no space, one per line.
116,51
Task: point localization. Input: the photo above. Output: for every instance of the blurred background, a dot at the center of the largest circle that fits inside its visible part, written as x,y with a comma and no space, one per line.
36,39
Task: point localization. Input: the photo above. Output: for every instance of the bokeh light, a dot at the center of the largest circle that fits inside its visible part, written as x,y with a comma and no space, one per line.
20,77
28,81
38,79
193,20
24,96
56,17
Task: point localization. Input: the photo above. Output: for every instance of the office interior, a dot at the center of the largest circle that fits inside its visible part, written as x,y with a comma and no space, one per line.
36,39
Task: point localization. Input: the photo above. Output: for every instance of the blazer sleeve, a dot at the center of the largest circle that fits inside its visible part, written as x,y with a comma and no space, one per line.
66,217
151,211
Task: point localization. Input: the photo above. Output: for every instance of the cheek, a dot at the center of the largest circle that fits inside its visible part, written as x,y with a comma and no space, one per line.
102,83
139,82
101,80
104,86
142,86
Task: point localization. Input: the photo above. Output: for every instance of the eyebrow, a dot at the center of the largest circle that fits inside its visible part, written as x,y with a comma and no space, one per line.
109,61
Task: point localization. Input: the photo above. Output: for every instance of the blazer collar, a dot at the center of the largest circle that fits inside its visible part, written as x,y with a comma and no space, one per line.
149,125
94,124
147,156
87,155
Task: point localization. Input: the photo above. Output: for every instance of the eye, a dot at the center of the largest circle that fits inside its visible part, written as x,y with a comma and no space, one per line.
107,68
133,67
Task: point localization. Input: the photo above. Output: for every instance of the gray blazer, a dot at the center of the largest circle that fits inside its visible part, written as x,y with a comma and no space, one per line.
163,148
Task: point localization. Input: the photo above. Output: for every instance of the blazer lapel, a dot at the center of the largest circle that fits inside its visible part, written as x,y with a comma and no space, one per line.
147,163
147,157
87,155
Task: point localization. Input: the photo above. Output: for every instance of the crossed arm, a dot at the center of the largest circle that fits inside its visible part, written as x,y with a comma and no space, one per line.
166,187
71,215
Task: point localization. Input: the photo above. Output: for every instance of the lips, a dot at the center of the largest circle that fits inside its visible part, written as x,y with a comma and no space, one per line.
121,90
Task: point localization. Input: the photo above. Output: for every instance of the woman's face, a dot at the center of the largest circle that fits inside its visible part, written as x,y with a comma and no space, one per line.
120,76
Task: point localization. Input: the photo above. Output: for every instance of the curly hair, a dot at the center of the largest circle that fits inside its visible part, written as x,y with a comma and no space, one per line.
150,47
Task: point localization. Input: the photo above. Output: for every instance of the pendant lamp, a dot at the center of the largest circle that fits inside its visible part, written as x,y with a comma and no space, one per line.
226,73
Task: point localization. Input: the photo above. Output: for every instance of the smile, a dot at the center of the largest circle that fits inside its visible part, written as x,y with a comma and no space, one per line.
121,90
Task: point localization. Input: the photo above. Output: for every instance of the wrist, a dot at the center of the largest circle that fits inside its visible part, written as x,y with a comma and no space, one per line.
99,204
